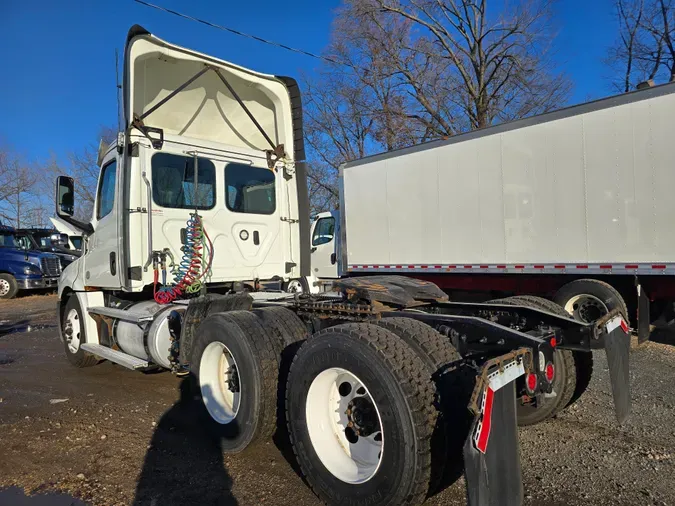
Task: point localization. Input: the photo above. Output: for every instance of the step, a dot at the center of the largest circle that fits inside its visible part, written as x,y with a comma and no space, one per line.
115,356
121,314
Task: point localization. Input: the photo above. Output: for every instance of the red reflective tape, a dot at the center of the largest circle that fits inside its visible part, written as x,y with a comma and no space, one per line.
501,267
520,266
631,266
424,266
559,266
582,266
624,326
468,266
658,266
438,266
399,267
484,266
538,266
605,266
452,266
484,435
376,266
411,267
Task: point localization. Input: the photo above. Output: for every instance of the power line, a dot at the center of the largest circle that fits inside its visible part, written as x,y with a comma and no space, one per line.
247,35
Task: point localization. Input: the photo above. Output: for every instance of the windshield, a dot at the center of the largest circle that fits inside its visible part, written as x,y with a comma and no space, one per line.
9,240
43,239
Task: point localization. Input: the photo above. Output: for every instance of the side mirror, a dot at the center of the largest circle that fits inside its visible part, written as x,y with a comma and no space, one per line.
65,196
59,240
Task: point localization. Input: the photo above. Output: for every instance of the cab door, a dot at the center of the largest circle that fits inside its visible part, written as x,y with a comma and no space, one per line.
102,256
324,246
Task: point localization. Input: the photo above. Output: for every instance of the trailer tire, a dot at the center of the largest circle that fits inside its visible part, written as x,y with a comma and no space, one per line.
235,344
454,385
361,361
73,332
565,382
601,298
8,286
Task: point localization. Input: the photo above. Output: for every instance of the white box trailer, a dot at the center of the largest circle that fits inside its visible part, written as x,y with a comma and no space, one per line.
526,206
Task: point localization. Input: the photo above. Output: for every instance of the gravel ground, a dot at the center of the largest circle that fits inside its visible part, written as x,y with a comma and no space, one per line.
110,436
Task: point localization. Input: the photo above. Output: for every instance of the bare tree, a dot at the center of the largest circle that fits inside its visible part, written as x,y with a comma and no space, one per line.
645,47
417,70
17,187
83,167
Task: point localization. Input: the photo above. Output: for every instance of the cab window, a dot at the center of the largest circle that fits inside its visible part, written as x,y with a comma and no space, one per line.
324,231
173,182
106,191
249,189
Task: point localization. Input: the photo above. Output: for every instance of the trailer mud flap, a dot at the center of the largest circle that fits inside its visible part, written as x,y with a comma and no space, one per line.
491,452
617,347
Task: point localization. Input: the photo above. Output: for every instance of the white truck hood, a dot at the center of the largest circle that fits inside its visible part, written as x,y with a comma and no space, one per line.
205,109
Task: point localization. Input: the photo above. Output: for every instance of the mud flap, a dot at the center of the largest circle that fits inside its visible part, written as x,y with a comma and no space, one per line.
491,452
643,315
617,347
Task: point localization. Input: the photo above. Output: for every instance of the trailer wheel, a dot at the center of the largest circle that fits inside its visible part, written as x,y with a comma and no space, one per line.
588,300
73,331
454,384
565,382
236,363
360,410
8,286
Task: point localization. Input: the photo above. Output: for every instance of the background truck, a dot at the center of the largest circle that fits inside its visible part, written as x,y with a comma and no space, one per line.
24,268
572,205
47,240
386,388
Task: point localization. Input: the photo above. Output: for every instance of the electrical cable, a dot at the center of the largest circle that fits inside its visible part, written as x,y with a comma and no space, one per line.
249,36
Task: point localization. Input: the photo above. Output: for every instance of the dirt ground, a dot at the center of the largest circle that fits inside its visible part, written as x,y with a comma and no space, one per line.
110,436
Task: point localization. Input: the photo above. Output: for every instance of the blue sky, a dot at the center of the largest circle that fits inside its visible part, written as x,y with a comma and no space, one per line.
58,67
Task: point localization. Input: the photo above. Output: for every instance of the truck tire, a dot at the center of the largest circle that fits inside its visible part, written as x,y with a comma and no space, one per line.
565,382
8,286
236,363
73,331
454,385
587,300
382,397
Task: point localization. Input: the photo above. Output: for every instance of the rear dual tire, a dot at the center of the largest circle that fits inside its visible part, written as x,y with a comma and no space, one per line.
395,415
238,361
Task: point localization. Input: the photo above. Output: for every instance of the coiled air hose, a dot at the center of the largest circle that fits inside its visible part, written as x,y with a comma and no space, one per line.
190,271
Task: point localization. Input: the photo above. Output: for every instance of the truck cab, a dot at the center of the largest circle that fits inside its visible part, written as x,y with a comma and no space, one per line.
325,237
48,241
24,268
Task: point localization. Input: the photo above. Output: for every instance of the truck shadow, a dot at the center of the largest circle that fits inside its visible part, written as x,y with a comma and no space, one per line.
184,462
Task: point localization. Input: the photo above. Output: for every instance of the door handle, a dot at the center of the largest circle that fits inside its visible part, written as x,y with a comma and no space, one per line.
313,249
256,238
113,263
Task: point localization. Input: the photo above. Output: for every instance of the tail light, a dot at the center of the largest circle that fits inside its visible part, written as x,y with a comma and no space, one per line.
549,371
531,383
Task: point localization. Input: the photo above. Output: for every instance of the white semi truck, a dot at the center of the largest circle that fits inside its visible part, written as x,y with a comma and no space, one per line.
573,205
386,388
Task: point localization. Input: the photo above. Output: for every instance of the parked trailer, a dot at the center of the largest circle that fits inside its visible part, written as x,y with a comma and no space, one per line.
386,387
572,205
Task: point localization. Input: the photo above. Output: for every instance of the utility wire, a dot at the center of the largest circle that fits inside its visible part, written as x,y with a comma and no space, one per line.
247,35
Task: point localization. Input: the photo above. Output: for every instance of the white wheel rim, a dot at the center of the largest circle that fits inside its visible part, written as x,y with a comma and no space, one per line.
4,287
220,383
586,308
295,286
73,331
328,424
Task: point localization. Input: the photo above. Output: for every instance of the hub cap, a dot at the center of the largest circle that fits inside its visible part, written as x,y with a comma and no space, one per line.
295,286
220,383
4,287
586,308
72,331
344,426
